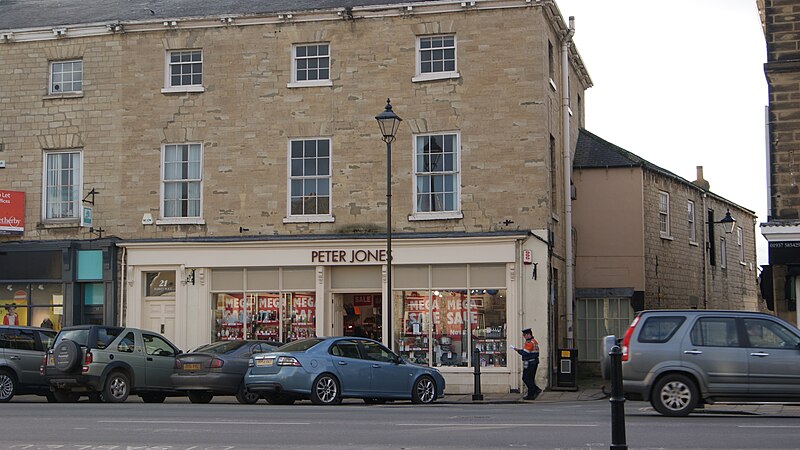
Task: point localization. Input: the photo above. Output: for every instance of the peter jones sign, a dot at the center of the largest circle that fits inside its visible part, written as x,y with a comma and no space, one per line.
348,256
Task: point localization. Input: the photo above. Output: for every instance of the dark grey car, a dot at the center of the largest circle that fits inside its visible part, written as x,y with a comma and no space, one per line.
680,359
21,354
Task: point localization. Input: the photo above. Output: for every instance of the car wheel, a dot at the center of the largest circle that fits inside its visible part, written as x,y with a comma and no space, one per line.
8,385
246,397
424,390
51,398
65,396
674,395
200,396
153,398
374,401
117,387
67,356
325,390
278,399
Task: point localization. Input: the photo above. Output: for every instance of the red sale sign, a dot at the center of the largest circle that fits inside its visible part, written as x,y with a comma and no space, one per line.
12,212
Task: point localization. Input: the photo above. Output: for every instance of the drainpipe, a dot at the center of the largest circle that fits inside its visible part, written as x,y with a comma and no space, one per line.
706,246
566,41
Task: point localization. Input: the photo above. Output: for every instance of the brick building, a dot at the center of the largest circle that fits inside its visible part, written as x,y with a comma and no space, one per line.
235,172
649,239
781,23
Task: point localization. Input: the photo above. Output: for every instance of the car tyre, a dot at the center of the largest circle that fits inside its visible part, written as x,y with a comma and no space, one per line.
325,390
674,395
246,397
153,398
279,399
66,396
117,387
8,385
424,390
200,396
51,398
67,356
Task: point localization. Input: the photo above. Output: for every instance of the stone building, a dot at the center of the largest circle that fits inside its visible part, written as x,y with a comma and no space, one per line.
649,239
781,23
236,174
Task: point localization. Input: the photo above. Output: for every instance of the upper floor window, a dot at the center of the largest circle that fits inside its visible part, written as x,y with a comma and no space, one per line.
436,58
310,179
62,185
311,65
436,173
184,71
692,224
663,213
66,77
740,243
182,181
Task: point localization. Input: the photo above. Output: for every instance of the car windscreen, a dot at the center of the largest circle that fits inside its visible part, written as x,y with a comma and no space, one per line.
221,347
300,346
81,336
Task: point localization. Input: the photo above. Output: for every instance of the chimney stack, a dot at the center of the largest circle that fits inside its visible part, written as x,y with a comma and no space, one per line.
700,181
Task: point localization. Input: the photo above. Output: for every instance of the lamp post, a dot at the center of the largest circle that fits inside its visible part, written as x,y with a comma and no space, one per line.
389,122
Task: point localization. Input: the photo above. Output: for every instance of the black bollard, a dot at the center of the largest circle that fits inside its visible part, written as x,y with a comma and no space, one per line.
476,362
617,401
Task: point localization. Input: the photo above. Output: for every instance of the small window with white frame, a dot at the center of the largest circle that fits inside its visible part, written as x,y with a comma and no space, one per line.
62,185
436,58
437,182
181,183
723,253
311,65
740,243
663,213
66,77
310,180
184,71
691,220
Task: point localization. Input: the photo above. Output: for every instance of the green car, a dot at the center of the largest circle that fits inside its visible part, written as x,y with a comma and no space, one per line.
109,363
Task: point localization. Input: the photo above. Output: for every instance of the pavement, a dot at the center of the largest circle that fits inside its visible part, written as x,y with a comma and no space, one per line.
597,390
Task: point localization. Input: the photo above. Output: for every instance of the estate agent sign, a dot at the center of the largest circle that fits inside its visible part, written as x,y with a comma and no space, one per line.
12,212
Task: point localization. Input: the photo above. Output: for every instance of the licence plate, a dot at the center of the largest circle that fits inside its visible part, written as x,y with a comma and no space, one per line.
264,362
191,366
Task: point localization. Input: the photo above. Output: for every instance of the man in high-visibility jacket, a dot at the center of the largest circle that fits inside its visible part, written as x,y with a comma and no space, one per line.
530,363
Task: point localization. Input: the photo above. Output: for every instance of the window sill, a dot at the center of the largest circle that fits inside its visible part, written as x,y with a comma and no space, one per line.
182,89
555,216
307,84
66,223
435,76
693,243
667,237
318,218
450,215
63,95
181,221
553,85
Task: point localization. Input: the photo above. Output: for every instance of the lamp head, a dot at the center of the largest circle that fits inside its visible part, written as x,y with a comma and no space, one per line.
728,222
389,122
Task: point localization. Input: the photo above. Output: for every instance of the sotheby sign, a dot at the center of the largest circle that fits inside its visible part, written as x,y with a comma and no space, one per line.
12,212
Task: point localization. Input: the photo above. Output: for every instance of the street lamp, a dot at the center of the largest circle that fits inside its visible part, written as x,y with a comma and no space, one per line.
389,122
728,222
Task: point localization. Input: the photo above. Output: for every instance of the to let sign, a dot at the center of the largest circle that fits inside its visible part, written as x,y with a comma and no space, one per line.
12,212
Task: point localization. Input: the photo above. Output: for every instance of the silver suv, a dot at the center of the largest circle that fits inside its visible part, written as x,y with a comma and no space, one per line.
108,363
681,359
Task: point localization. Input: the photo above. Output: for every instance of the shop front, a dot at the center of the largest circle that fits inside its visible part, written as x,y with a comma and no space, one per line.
451,295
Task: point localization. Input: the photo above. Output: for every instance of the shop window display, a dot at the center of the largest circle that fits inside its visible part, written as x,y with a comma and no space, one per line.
32,305
268,316
442,327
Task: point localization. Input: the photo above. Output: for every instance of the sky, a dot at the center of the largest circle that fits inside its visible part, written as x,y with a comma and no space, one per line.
681,84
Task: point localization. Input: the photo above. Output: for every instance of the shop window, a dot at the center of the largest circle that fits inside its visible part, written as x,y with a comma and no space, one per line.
32,305
441,327
271,316
597,318
14,304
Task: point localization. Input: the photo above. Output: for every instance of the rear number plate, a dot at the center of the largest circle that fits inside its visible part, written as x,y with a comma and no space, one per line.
264,362
191,366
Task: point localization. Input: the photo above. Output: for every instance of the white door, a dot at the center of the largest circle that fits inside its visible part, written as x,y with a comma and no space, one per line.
159,316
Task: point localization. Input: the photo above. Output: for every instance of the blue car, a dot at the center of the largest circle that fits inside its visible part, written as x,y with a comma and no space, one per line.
326,370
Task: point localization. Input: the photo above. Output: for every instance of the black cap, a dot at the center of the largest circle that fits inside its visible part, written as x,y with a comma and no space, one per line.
527,330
